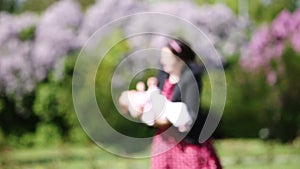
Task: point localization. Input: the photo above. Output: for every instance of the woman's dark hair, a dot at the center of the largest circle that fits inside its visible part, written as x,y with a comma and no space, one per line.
182,49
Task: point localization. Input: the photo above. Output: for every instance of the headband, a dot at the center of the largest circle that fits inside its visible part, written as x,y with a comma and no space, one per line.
175,46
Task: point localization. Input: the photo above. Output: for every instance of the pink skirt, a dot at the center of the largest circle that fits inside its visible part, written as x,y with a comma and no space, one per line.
183,155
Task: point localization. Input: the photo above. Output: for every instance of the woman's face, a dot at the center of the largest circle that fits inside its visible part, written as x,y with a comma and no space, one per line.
168,60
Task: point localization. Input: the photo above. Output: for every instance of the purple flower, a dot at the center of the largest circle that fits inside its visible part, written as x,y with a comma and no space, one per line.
225,30
283,25
268,44
260,39
295,41
56,35
296,20
63,27
15,68
258,52
105,11
25,20
278,49
7,28
295,38
25,63
271,78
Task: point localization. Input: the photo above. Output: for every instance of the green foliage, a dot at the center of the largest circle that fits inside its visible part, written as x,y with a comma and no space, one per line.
233,4
53,104
288,89
2,138
249,103
77,136
36,5
1,105
253,104
259,10
45,114
86,3
8,5
262,11
40,6
47,104
202,2
47,135
103,90
246,103
46,117
16,115
27,33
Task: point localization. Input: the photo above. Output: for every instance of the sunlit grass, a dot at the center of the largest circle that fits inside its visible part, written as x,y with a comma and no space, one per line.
234,153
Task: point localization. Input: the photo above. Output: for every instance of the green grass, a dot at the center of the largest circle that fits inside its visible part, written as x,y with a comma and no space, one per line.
234,154
258,154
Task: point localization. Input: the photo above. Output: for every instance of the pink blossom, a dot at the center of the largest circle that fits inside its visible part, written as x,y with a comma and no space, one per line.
296,20
268,44
260,39
295,38
271,78
295,41
278,49
259,53
283,25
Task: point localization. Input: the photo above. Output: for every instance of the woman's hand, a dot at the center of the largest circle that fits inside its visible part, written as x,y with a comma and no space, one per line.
162,123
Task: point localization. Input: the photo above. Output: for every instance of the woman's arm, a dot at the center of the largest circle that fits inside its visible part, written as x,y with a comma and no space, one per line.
183,114
180,114
191,97
162,123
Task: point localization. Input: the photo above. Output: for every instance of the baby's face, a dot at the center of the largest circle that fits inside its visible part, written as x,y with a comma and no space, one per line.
152,81
140,86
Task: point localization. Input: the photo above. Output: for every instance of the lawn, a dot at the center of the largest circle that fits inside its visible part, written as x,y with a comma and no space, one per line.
234,153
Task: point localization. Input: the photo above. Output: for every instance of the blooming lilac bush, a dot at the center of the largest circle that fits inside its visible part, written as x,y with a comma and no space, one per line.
225,30
33,45
24,63
105,11
273,57
63,27
56,35
269,43
15,60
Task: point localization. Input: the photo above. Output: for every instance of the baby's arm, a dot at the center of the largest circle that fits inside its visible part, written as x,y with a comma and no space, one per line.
124,101
133,101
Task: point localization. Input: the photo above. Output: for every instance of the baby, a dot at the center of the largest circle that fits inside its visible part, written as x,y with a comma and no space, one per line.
158,108
150,113
138,101
151,105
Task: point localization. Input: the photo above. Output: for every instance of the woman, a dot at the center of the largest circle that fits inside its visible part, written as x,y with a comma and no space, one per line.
176,146
177,59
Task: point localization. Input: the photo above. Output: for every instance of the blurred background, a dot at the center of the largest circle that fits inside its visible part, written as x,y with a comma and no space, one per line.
259,41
